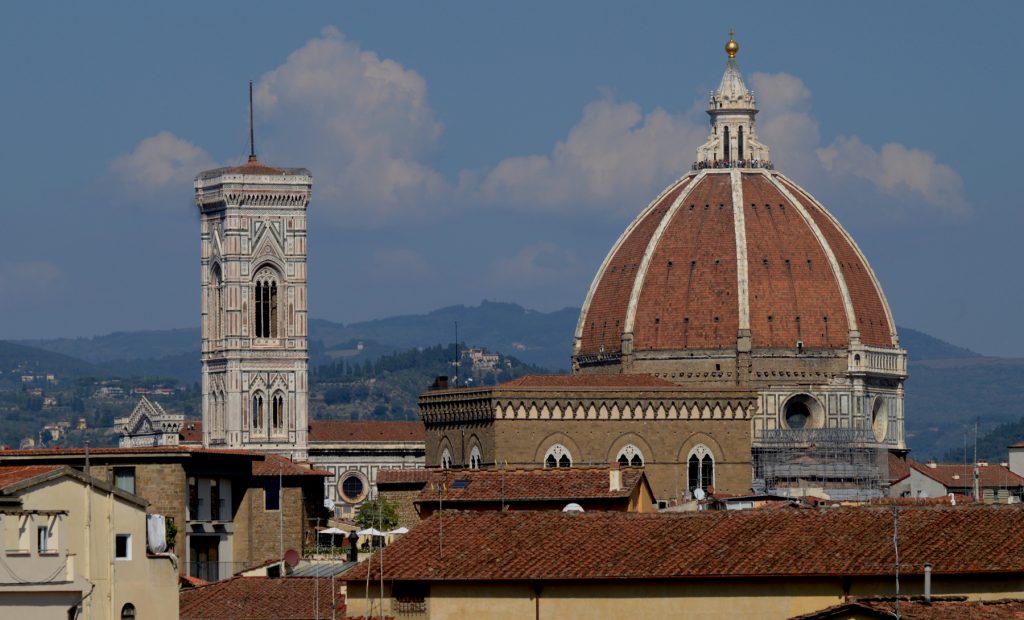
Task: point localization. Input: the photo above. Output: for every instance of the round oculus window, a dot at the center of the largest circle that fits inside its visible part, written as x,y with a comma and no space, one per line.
353,487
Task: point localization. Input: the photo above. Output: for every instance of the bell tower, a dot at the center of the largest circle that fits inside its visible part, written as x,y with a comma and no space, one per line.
254,306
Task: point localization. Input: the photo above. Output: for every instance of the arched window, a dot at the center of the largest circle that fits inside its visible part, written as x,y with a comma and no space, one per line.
277,412
727,147
265,303
216,308
128,612
474,458
700,468
739,149
558,456
257,411
446,459
630,456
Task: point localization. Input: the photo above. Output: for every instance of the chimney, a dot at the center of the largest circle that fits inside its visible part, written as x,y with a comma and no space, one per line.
440,383
353,546
931,463
928,583
614,478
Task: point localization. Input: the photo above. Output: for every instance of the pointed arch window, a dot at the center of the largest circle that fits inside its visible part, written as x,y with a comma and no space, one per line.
277,412
630,456
265,304
557,456
474,458
257,411
700,469
446,459
216,301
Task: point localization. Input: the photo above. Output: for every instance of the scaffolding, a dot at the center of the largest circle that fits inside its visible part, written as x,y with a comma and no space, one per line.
843,464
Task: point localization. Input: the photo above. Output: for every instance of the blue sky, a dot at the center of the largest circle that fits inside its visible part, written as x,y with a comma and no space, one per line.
468,150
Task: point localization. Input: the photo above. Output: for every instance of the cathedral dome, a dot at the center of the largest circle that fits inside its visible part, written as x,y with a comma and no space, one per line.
727,251
732,256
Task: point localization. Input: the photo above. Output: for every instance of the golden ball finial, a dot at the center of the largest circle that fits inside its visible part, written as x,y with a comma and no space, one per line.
732,47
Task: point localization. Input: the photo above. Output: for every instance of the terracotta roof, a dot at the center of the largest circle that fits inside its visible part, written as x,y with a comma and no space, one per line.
522,545
403,476
191,431
261,598
1019,444
530,484
13,474
915,608
359,430
958,475
685,295
586,381
252,166
149,450
275,465
898,468
188,581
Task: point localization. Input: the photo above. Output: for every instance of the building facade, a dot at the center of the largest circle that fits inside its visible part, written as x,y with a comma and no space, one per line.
734,280
78,547
254,307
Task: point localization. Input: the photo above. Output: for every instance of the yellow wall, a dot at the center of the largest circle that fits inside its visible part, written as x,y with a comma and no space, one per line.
696,599
150,584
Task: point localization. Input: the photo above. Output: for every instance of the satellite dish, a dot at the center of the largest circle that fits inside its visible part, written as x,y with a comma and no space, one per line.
291,558
698,494
573,507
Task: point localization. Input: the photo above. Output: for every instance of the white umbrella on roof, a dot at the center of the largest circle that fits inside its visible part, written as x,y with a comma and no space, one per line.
370,531
400,530
332,530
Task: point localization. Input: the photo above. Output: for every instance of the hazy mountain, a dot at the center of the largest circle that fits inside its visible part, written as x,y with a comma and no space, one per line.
949,386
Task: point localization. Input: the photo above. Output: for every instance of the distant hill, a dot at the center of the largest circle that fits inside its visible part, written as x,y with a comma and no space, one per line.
921,346
949,385
540,338
31,360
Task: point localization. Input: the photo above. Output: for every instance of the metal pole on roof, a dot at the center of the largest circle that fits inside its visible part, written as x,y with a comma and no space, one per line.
896,546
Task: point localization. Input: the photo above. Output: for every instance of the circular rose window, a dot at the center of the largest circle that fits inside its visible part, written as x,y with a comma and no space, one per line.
353,487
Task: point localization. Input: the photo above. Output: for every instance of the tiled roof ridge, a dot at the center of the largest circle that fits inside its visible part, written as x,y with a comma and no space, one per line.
523,545
936,469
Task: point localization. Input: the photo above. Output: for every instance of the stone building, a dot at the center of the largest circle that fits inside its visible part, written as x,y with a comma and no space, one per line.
149,425
351,453
254,348
230,509
745,294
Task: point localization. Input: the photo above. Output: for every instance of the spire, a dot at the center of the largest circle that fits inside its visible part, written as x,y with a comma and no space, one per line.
732,108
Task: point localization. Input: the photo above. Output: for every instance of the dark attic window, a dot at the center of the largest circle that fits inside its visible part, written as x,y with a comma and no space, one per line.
460,484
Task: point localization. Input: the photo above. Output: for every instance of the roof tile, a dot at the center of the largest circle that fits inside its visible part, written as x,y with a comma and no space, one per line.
261,598
837,541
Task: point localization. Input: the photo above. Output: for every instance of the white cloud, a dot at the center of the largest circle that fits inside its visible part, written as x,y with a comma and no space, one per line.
363,125
27,281
896,169
537,265
615,158
160,162
907,179
360,123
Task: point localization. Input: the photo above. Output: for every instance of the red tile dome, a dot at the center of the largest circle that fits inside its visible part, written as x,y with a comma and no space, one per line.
734,258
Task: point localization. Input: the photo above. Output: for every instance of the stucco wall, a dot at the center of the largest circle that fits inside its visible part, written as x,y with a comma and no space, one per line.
693,599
